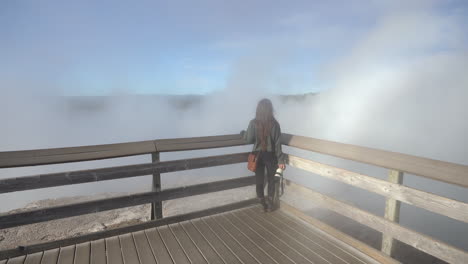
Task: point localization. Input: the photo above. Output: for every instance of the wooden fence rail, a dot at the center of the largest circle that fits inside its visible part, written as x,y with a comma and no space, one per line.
434,169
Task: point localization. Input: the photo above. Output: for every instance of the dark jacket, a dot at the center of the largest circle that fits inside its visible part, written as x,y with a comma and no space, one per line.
273,140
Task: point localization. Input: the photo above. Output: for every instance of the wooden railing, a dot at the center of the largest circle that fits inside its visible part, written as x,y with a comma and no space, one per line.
155,196
392,189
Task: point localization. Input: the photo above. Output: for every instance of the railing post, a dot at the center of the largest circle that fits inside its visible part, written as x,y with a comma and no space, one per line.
156,208
392,212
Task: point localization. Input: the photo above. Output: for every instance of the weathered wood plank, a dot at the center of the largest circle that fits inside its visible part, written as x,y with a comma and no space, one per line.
266,246
311,244
82,253
143,248
392,212
200,145
34,258
283,235
215,242
285,222
129,252
113,173
105,151
113,250
23,158
187,244
200,242
157,246
57,212
3,261
176,252
454,209
228,240
123,230
422,242
270,234
50,256
98,251
243,240
156,207
66,255
17,260
433,169
346,240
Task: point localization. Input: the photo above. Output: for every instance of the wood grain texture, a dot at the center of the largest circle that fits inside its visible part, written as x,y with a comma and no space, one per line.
34,258
82,253
422,242
9,159
157,246
58,212
98,251
50,256
201,243
338,235
177,253
113,250
143,248
187,244
392,212
123,230
129,252
66,255
17,260
441,205
113,173
434,169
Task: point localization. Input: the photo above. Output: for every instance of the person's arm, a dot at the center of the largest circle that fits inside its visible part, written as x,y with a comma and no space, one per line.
278,150
249,135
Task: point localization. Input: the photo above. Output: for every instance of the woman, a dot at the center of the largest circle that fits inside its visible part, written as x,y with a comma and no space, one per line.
265,133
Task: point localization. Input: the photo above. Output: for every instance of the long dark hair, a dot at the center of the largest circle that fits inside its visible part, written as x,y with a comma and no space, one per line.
264,121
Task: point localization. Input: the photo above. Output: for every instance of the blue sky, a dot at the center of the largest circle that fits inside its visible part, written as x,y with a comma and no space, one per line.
183,47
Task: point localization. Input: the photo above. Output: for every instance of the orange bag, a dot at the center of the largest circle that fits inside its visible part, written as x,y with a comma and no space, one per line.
252,162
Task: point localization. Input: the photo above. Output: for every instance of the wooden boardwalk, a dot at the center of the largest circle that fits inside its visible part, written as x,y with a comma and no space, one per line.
245,235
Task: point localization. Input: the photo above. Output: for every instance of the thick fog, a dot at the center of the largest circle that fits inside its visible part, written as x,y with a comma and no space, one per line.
402,86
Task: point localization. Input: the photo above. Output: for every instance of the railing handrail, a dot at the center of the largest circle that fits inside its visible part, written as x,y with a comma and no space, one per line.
434,169
22,158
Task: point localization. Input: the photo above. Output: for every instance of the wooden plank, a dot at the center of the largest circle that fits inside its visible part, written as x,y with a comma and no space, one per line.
324,241
85,153
50,256
454,209
63,211
83,253
3,261
156,207
113,173
422,242
281,241
129,252
228,240
283,235
241,237
267,246
23,158
339,237
113,250
66,255
17,260
392,212
200,145
34,258
143,248
201,243
312,244
434,169
187,244
157,246
215,242
127,229
98,252
177,253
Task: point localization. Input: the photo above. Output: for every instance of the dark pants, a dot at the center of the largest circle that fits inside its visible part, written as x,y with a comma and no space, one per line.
268,163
